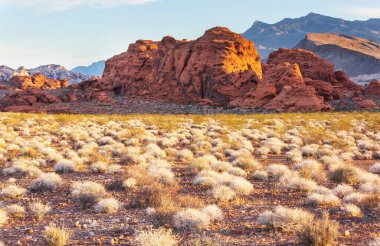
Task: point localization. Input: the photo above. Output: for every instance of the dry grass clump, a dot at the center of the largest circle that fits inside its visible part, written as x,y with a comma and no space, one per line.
87,193
374,242
319,233
46,182
370,205
324,200
107,205
12,192
39,209
345,174
223,193
197,219
103,167
352,210
155,237
3,217
65,166
56,236
15,210
260,175
375,168
285,219
343,190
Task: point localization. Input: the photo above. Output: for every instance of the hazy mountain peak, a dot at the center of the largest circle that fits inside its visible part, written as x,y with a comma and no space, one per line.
288,32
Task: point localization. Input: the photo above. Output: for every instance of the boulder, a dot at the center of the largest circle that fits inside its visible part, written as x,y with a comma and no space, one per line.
311,65
298,99
38,81
28,97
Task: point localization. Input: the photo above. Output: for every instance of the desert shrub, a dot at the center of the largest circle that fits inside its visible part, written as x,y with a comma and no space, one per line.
285,219
352,210
15,210
319,233
3,217
107,205
295,183
130,183
191,219
185,155
241,186
56,236
326,200
260,175
213,212
370,205
99,167
12,192
223,193
21,168
375,168
311,169
39,209
354,197
277,170
345,174
46,182
87,193
374,242
247,162
203,163
342,190
65,166
155,237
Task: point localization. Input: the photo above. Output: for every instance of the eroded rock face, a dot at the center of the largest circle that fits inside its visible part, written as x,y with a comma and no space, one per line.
28,97
373,88
38,81
311,65
219,66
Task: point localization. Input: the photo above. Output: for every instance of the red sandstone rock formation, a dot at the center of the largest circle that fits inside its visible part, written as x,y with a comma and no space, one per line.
28,97
219,66
373,88
37,81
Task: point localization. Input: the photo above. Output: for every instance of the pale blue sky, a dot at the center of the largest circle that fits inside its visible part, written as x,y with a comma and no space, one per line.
79,32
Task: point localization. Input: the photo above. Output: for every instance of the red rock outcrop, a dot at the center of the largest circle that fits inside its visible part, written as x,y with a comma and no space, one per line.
38,81
220,66
373,88
28,97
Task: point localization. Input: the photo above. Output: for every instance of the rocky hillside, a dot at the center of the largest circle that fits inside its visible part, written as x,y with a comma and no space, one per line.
95,69
355,55
220,69
289,32
50,71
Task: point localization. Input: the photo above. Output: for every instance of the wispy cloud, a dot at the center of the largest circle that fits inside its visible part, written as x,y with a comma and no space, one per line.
363,12
368,12
59,5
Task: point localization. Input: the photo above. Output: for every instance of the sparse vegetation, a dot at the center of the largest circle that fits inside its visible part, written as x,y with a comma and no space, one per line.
56,236
267,174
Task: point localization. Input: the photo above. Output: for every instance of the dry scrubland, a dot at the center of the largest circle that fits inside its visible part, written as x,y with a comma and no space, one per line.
190,180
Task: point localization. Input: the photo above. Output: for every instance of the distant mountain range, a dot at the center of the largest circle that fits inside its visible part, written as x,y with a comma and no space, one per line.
96,69
357,56
50,71
289,32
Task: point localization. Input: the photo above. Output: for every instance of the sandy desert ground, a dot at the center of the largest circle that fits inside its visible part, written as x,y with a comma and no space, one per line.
276,179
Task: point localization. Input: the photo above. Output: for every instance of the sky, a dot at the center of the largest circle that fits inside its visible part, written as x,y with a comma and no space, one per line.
79,32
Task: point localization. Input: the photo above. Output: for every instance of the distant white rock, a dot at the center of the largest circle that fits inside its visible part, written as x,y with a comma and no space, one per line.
6,73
